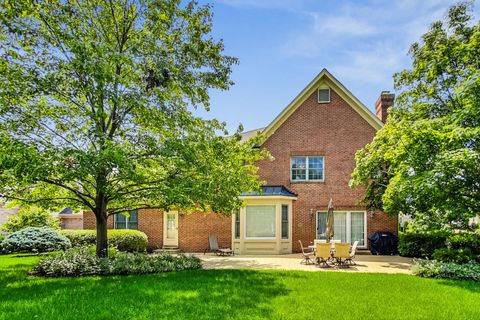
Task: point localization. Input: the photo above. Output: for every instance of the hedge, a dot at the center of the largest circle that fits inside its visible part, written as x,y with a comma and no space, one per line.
123,240
443,246
421,245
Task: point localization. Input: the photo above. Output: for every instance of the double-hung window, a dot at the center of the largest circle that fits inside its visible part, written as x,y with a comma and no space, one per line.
124,222
307,168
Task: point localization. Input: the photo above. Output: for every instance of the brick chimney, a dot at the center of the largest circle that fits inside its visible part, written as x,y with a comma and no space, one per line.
384,101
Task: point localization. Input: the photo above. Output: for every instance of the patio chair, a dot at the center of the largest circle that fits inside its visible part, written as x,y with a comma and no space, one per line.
323,253
352,253
342,252
213,247
307,255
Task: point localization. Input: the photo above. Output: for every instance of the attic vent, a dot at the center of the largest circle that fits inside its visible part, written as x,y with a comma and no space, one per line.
324,95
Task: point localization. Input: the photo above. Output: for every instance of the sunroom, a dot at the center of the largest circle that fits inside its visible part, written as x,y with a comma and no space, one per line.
264,225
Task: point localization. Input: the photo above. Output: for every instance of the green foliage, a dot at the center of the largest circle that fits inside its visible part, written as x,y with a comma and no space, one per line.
421,244
445,246
27,218
83,262
458,256
460,248
94,108
123,240
425,160
2,237
34,239
447,270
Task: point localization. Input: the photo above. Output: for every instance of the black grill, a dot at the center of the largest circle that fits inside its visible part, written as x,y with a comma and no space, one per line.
384,243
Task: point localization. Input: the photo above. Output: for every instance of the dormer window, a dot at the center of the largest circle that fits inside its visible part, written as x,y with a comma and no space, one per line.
323,95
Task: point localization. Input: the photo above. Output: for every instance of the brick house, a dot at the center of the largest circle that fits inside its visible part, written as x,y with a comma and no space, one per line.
313,142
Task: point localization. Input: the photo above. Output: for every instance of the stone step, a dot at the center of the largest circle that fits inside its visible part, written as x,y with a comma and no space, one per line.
363,252
168,249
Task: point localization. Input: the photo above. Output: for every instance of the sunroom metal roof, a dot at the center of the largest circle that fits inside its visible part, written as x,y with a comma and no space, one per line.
271,191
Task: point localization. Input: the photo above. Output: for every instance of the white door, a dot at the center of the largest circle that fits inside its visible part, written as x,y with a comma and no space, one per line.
170,228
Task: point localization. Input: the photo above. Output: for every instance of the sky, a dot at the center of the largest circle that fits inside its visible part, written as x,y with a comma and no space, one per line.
283,44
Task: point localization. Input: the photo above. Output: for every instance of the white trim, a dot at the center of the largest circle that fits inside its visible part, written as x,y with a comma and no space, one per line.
306,169
348,225
318,95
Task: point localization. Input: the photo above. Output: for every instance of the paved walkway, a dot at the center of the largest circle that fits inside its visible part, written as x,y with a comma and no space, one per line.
365,263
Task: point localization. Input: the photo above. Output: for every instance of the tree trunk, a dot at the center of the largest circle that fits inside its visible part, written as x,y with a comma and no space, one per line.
102,240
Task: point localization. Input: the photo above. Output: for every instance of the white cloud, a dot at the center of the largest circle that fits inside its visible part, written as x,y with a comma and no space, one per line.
374,64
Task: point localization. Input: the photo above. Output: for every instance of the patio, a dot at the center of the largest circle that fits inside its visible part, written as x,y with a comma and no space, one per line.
365,263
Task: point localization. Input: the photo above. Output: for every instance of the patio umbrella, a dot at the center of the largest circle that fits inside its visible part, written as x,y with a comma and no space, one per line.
330,221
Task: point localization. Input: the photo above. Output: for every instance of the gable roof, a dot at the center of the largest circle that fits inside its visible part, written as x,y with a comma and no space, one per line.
324,78
249,134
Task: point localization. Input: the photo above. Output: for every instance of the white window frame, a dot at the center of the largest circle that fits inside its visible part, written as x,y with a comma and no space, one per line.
306,168
275,222
348,226
329,95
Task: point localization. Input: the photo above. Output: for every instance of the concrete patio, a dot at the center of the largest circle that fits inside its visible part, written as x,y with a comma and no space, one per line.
365,263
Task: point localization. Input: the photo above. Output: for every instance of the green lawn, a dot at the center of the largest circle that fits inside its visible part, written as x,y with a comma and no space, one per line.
232,294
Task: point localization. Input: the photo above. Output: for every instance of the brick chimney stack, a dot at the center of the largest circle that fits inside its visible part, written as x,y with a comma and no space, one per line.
384,102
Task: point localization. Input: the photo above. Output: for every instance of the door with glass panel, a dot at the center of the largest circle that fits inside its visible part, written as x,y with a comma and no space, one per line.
170,228
347,226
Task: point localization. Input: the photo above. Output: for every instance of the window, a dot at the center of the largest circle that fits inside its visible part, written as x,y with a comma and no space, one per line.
358,227
284,221
260,222
124,222
324,95
237,224
347,226
307,168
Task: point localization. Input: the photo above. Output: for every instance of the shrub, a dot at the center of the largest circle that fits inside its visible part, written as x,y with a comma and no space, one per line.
447,270
460,248
128,240
82,262
26,219
2,237
469,240
459,256
73,262
33,239
123,240
421,244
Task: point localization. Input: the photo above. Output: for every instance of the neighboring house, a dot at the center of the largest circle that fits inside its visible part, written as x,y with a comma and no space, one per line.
313,142
70,219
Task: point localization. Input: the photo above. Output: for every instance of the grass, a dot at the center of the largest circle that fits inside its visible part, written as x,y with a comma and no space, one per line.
232,294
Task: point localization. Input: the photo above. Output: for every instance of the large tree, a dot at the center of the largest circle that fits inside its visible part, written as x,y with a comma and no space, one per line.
425,161
94,109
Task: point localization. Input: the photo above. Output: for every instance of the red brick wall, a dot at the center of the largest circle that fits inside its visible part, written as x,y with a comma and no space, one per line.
380,221
335,131
150,221
89,221
194,229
